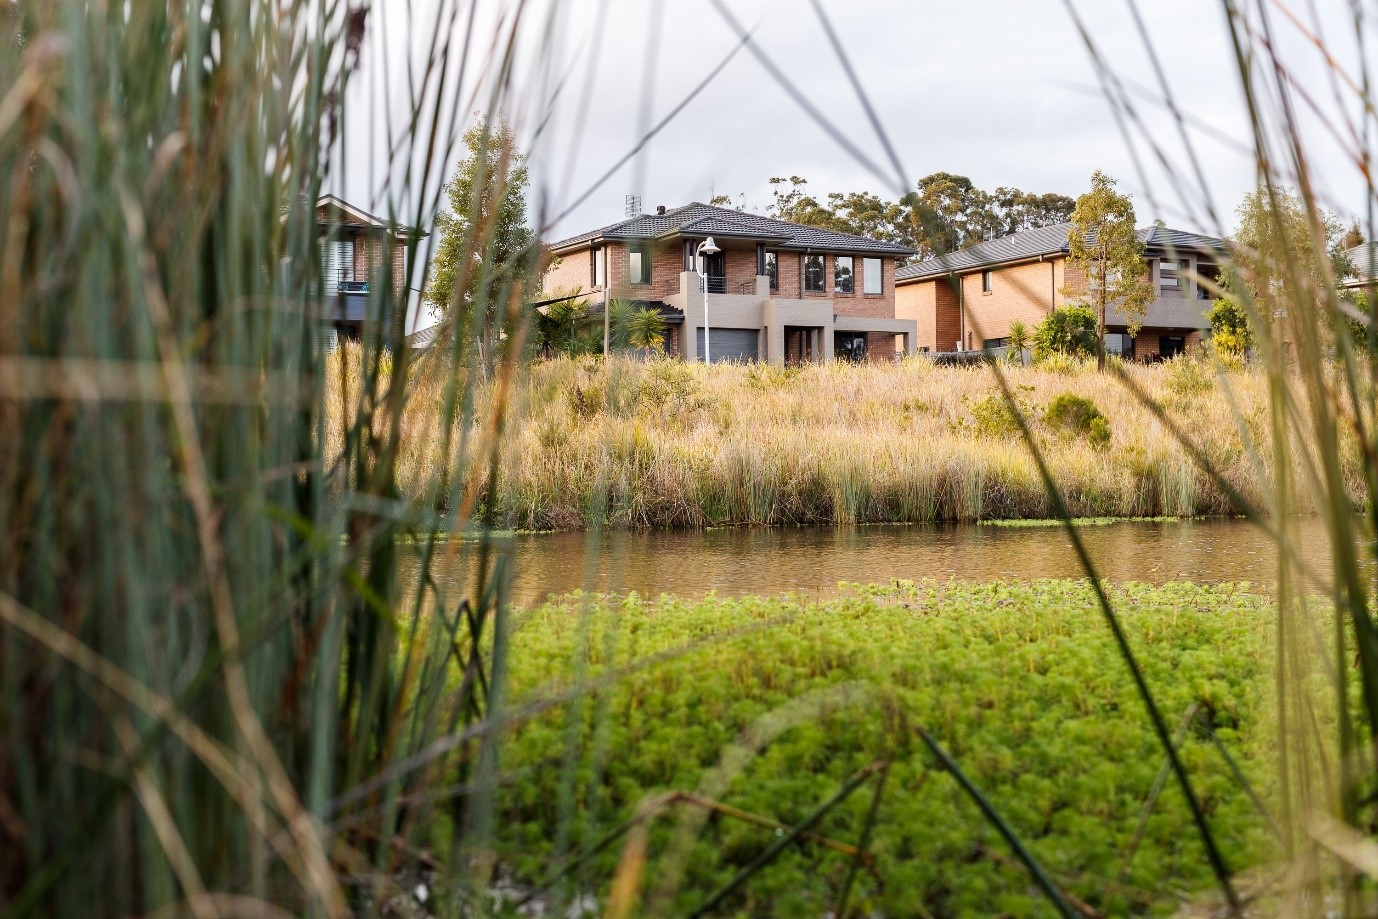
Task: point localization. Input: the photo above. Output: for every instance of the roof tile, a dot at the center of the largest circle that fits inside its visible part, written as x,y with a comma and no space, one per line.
1050,240
707,220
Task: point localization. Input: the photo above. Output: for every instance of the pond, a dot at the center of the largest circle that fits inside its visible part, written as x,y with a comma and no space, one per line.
812,561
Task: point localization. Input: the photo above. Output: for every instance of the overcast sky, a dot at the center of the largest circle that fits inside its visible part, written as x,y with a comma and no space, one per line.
1003,91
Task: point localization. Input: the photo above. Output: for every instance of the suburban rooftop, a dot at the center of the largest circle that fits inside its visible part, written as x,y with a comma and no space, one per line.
696,219
1045,241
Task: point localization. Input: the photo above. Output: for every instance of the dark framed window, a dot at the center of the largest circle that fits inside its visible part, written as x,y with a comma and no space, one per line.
813,273
849,346
773,270
1119,344
1170,274
1206,275
639,266
872,276
987,282
1169,346
844,280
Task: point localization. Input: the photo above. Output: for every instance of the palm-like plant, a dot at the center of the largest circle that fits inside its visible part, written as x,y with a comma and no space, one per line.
645,329
1020,340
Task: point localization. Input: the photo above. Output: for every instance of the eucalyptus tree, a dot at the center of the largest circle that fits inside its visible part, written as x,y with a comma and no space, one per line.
1106,258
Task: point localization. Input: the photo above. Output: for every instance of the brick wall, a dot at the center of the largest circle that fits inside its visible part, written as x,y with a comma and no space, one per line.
1147,343
787,266
881,347
370,253
1022,292
947,316
571,274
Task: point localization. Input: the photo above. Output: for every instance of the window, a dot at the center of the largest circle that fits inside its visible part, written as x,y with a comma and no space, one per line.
872,276
987,282
843,282
1169,346
597,256
639,266
990,344
773,270
1168,277
849,346
337,262
813,273
1206,276
1119,343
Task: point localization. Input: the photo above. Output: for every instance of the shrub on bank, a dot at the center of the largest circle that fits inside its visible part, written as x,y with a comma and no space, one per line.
1079,417
1020,682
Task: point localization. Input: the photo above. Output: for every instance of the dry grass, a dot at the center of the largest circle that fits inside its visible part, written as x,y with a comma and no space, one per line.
670,444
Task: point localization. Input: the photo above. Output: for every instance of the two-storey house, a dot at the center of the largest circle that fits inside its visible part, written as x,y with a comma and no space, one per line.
967,300
358,251
776,291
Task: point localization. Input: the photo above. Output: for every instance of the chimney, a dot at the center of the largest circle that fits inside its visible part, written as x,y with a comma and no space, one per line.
660,210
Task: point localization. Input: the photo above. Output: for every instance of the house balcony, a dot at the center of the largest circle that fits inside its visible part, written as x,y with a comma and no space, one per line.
1169,310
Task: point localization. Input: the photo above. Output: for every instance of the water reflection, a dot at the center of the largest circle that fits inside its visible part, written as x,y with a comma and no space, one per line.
812,561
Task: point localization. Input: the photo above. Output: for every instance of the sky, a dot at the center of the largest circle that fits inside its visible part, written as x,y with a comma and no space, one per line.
1002,91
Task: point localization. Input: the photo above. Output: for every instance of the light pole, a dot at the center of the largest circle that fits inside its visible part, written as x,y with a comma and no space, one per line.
707,247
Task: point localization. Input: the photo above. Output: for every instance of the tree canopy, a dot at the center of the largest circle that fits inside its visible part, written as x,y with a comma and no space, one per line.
486,249
1106,258
943,213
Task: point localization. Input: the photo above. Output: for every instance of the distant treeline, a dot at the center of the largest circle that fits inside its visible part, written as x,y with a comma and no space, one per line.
943,213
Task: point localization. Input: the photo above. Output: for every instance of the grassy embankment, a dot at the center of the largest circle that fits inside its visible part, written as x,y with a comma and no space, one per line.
1021,684
669,444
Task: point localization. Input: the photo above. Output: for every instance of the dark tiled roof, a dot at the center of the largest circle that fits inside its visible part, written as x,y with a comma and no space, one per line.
706,220
1012,248
1050,240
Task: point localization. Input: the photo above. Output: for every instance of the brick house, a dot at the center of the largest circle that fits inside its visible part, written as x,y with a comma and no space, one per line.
358,250
968,299
778,291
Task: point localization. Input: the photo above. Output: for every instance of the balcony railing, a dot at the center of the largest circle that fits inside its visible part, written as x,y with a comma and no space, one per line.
716,285
349,286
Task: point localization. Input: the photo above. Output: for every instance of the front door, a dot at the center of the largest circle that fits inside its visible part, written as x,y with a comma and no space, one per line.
1169,346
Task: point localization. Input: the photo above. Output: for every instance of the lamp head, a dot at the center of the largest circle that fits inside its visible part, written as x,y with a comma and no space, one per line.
708,247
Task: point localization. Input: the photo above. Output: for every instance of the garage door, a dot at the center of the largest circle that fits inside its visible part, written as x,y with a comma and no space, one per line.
730,344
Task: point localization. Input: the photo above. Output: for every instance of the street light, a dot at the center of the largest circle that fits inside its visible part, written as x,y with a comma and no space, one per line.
707,247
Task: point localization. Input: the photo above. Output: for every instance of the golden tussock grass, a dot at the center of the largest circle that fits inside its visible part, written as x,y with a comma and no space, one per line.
670,444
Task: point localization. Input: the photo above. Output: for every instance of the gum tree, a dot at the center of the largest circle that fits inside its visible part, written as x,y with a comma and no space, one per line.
486,251
1107,258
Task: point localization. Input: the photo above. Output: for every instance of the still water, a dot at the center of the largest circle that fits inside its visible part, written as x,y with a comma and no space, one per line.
812,561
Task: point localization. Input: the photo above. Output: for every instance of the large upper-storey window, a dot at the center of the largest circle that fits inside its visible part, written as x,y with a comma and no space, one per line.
773,270
843,279
872,276
813,273
1168,278
639,266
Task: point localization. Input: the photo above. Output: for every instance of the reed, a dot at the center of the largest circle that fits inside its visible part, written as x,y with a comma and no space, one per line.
215,694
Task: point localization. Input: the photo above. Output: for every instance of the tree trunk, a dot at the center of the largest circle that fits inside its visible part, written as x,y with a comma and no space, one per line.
1100,334
1100,314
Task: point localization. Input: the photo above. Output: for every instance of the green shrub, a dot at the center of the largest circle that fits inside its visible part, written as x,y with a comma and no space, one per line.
1078,416
1069,330
1230,332
993,417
